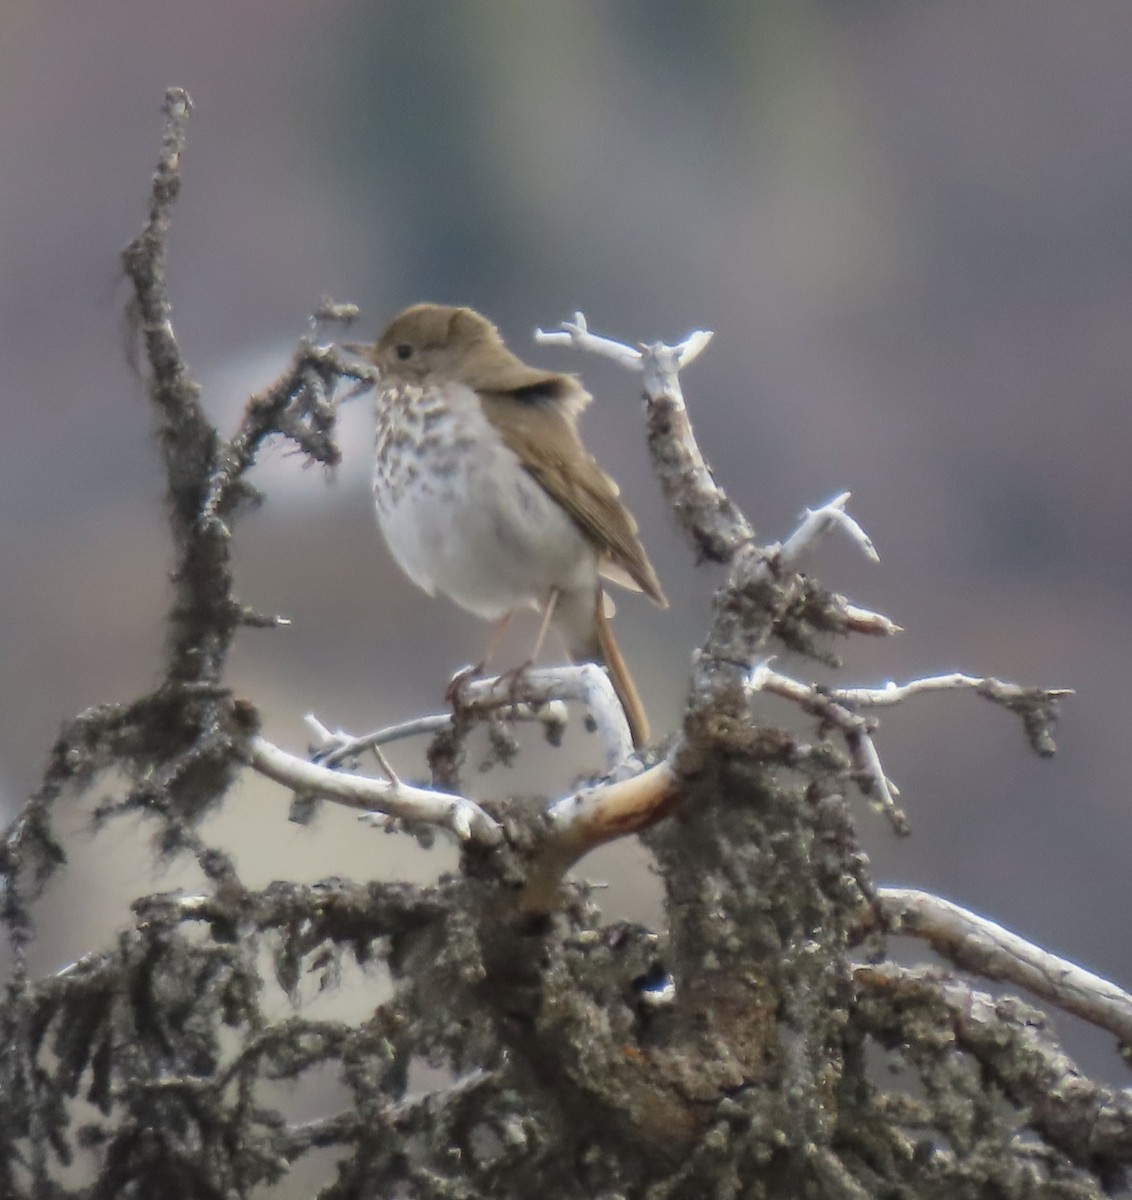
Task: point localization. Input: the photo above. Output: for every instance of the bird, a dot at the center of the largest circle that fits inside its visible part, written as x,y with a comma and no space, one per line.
486,494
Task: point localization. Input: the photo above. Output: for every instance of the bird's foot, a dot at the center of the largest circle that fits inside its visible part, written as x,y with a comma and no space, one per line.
454,692
505,689
514,679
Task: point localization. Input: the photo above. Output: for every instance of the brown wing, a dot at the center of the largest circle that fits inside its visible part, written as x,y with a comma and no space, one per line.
540,430
492,368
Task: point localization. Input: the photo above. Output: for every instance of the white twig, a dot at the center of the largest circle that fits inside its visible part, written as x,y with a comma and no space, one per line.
462,816
386,767
818,521
856,729
864,620
323,736
894,693
576,333
979,945
661,366
1035,707
887,791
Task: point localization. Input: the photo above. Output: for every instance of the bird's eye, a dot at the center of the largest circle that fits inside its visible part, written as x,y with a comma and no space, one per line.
404,351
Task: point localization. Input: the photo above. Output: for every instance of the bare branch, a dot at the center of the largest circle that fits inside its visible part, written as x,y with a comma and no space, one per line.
582,682
331,310
816,522
1037,707
893,693
863,620
607,811
461,816
144,263
337,746
530,695
977,944
714,524
577,333
857,731
1090,1123
300,406
589,818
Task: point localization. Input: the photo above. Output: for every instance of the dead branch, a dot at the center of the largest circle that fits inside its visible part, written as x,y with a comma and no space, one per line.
1087,1121
459,815
987,949
729,1053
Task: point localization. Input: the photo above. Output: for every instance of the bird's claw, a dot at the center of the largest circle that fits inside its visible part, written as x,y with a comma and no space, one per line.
454,692
515,678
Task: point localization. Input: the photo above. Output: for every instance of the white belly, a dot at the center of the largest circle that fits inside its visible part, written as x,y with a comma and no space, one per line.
473,524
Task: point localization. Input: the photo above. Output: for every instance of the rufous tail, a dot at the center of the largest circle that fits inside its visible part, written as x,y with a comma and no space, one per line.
623,685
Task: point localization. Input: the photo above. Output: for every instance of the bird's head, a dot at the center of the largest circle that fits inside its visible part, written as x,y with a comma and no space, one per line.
434,341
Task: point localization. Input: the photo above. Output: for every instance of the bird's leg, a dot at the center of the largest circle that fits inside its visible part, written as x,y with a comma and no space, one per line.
456,683
516,673
547,615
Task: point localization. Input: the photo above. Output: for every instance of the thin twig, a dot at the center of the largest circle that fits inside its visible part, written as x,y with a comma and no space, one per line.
892,693
857,731
344,746
577,333
816,522
300,405
864,620
1036,707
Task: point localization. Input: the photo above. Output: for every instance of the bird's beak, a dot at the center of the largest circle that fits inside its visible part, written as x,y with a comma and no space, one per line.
361,349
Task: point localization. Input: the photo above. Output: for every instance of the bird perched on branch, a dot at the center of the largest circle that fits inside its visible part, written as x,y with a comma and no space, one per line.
485,492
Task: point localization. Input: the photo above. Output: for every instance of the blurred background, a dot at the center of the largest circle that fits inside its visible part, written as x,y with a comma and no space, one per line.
909,225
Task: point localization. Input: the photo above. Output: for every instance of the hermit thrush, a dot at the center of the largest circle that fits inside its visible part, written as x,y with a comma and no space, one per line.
485,492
